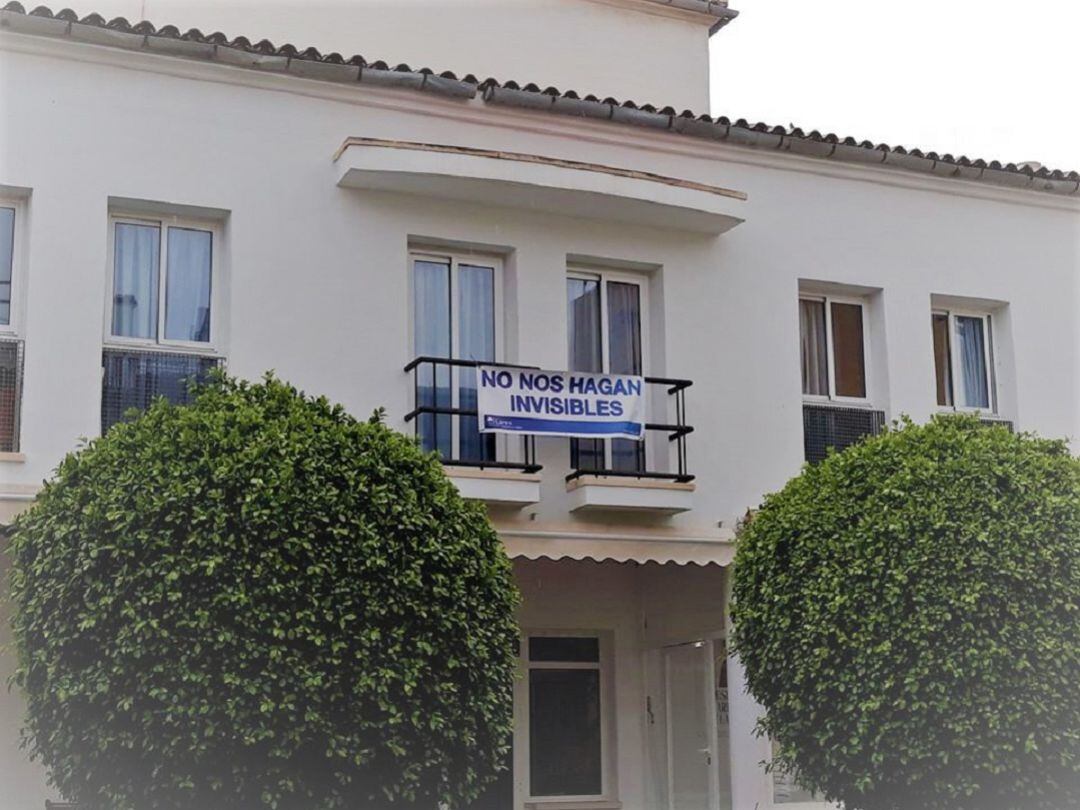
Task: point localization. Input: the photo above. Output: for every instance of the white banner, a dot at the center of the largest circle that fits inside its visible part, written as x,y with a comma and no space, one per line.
560,403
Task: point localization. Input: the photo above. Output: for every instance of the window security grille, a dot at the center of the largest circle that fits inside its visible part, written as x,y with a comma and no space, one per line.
11,372
134,378
827,426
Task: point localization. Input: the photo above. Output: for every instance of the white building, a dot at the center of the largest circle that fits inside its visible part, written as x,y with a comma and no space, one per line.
173,200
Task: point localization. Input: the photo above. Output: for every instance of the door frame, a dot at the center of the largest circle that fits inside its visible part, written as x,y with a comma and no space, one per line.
708,649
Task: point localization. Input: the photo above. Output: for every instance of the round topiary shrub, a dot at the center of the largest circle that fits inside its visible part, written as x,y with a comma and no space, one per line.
908,614
258,601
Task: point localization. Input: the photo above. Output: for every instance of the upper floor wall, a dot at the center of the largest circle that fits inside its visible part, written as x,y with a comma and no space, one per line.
640,50
318,280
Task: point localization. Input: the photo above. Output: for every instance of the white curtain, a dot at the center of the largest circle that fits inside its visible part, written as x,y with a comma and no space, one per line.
583,338
431,336
624,357
136,251
187,285
583,324
972,341
815,369
476,341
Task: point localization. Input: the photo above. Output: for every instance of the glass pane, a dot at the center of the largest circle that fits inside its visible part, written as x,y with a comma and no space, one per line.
971,339
847,335
431,335
564,732
942,359
476,341
624,348
136,252
564,648
815,368
586,347
7,252
187,285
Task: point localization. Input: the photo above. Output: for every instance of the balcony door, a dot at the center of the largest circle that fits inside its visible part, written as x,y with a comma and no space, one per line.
456,304
606,334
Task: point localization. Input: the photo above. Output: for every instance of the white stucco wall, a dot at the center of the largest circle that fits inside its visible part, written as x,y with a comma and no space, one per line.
316,276
621,48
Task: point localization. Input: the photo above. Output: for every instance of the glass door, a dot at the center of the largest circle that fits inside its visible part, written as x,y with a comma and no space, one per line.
605,335
688,682
455,306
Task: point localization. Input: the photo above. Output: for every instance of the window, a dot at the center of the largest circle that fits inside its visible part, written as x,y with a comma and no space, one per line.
11,347
832,340
161,331
567,716
963,360
7,263
456,301
606,334
161,290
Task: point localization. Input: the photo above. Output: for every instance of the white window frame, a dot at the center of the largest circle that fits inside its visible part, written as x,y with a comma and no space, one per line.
830,360
604,275
955,360
456,259
522,758
14,328
160,343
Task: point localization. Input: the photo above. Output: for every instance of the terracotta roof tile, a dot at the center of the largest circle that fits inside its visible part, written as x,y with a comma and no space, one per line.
568,102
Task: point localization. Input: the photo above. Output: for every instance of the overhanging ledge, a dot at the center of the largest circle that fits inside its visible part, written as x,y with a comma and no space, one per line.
537,183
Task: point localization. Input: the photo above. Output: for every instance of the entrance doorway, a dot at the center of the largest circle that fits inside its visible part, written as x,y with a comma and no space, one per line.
698,761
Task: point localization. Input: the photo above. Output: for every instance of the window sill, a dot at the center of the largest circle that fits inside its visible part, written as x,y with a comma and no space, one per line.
576,804
12,458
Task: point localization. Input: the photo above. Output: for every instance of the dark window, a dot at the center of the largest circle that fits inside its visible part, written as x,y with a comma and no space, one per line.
564,732
564,648
847,335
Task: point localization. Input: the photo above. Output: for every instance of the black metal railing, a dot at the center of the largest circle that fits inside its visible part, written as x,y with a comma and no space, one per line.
11,376
826,426
437,420
629,459
133,378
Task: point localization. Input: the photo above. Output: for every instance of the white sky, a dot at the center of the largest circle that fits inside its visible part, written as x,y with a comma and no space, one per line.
985,78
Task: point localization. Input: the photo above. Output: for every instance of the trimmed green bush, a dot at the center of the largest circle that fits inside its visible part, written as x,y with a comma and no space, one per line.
258,601
908,613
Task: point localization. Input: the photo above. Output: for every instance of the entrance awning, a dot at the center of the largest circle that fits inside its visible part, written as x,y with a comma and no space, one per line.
619,547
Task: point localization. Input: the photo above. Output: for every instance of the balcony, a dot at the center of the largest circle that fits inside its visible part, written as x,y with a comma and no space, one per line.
499,470
134,378
651,476
828,425
502,470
